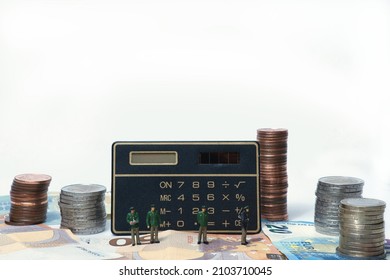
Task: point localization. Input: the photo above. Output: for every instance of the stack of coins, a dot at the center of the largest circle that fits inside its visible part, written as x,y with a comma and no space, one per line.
28,199
362,230
273,173
330,191
82,208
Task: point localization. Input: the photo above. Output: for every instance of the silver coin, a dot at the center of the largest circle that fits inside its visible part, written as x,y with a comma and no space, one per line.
326,226
80,206
353,231
80,226
83,220
372,232
84,217
84,212
338,191
326,203
83,225
359,222
329,207
325,216
361,216
90,199
336,196
358,253
362,204
327,221
88,231
341,188
377,249
78,199
326,231
83,189
363,238
326,213
360,228
321,212
358,257
362,244
340,181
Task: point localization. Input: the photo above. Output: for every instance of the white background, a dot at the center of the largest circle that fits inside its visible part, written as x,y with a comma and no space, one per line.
75,76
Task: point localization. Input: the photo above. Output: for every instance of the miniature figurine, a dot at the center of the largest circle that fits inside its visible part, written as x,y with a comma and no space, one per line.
153,222
244,218
202,219
133,220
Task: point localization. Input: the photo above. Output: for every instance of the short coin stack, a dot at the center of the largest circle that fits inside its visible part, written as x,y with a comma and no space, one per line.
28,199
82,208
362,232
330,191
273,173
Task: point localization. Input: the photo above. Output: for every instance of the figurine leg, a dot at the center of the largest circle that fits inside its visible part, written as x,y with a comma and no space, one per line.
243,236
137,236
151,234
205,235
200,235
156,235
133,236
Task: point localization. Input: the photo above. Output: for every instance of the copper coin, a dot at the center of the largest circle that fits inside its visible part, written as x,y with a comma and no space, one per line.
276,217
267,130
13,223
32,178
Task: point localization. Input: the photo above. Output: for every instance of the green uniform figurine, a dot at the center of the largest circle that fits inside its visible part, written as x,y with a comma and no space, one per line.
202,219
153,222
133,220
244,218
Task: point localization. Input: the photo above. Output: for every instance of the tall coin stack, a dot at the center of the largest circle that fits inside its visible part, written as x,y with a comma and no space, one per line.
273,173
330,191
362,230
28,199
82,208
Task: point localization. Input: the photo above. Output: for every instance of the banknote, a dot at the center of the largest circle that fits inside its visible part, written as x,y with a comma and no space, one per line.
48,241
298,240
182,245
42,242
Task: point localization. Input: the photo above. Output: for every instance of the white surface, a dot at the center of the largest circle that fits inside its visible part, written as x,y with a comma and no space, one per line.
75,76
